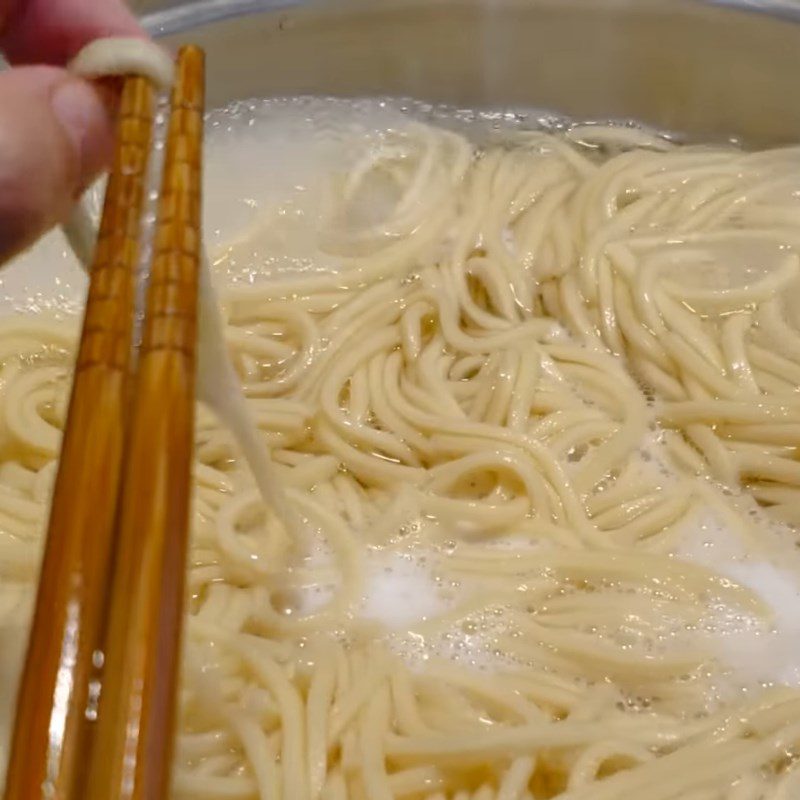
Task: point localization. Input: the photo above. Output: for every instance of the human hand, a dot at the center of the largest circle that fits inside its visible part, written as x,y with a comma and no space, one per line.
56,133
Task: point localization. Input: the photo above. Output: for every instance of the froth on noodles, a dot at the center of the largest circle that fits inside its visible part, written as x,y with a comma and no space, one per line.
535,394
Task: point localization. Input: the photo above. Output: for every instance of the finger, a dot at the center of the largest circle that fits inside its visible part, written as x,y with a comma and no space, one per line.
55,137
53,31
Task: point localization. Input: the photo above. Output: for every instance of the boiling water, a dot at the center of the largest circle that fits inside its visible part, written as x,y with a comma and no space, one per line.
270,175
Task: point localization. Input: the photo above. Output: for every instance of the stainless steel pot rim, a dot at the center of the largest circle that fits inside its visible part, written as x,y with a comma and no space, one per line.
205,12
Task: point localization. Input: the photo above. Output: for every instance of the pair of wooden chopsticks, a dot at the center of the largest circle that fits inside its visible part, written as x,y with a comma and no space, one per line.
96,705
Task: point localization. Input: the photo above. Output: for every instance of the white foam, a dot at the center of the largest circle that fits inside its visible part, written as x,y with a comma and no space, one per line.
757,652
402,589
271,167
469,644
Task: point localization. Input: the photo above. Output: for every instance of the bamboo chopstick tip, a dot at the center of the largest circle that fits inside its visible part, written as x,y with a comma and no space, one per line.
191,52
189,89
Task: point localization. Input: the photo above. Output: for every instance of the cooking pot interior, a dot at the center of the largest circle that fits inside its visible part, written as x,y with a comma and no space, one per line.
708,70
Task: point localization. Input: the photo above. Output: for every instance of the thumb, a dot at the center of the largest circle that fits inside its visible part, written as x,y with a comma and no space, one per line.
55,136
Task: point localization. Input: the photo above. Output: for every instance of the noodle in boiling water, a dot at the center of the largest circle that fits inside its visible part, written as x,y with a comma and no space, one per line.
550,393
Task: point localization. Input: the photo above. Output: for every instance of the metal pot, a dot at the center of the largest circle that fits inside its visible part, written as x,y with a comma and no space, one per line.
710,69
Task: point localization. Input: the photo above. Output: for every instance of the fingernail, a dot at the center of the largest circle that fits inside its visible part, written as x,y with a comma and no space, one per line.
81,114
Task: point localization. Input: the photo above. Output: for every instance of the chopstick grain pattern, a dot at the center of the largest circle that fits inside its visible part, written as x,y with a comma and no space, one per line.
132,749
52,717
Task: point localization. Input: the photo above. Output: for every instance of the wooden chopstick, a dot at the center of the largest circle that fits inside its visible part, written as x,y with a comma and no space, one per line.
54,703
132,748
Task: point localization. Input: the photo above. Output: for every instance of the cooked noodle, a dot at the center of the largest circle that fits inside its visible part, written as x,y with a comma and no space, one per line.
551,358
